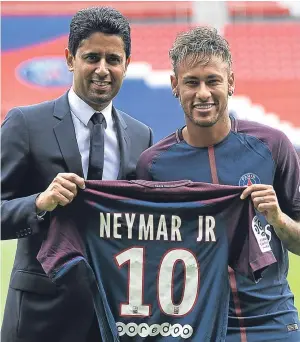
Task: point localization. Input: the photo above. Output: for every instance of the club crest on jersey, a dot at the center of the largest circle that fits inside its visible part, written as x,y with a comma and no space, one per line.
248,179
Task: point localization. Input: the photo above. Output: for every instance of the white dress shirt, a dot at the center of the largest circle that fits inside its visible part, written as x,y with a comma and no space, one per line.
81,115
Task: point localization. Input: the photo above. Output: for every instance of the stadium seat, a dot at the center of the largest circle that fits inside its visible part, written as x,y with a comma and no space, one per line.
151,43
257,9
131,9
267,65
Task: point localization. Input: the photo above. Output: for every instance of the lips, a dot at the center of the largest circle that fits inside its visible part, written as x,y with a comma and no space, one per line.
206,106
101,83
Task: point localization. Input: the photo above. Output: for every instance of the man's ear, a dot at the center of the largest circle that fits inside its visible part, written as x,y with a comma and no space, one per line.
174,85
126,65
231,83
69,59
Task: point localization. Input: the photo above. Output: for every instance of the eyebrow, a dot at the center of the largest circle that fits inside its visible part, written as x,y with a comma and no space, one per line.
84,54
189,77
98,54
215,76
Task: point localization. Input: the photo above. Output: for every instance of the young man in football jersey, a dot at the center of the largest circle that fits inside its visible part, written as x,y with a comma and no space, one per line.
214,147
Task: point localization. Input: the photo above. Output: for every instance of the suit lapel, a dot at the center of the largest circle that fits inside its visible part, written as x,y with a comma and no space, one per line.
65,134
124,142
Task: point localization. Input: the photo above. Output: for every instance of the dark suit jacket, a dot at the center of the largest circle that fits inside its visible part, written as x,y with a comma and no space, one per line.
38,142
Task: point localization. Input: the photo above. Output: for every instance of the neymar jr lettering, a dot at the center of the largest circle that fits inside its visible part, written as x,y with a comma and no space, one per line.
152,227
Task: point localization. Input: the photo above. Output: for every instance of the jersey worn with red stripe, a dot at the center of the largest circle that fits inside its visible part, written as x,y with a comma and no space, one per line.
156,256
251,154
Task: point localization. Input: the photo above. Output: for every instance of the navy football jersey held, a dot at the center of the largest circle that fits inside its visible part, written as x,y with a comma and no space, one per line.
155,256
251,154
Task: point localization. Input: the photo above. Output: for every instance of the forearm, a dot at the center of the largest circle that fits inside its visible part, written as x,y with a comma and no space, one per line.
18,210
288,232
18,217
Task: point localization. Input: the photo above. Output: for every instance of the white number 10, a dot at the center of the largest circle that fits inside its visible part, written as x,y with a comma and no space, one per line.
135,256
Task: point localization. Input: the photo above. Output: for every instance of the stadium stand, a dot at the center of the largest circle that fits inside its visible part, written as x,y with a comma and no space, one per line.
266,56
141,10
151,43
244,9
267,65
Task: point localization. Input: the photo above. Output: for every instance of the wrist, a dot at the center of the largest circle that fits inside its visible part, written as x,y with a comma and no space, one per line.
38,209
280,222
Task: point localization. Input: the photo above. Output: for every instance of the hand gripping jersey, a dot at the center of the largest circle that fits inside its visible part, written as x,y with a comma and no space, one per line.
251,154
158,254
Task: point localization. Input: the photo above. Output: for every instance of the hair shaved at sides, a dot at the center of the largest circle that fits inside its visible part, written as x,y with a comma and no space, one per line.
199,45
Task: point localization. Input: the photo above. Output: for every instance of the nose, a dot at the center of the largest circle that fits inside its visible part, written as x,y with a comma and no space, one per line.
203,92
102,69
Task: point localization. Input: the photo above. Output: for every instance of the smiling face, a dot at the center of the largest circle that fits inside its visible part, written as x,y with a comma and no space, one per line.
203,90
99,67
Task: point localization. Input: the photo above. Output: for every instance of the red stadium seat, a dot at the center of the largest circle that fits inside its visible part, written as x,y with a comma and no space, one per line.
151,43
267,65
131,9
257,9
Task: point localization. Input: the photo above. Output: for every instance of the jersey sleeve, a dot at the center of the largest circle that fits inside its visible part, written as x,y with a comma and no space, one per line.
287,178
143,166
249,250
63,258
149,157
62,248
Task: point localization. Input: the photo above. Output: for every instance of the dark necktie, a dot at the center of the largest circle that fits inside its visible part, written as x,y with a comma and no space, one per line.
96,158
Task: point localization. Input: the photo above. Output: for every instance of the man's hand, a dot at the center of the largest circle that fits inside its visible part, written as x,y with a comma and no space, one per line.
265,201
61,191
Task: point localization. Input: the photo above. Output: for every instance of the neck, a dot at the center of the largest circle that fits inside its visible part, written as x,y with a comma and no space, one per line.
206,136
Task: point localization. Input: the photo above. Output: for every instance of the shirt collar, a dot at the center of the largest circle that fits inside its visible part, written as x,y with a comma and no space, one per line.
83,111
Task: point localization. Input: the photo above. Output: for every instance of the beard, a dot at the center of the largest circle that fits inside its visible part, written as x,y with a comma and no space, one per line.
200,123
211,120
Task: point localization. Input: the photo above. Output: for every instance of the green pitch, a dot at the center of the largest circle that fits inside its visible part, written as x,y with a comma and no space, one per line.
8,252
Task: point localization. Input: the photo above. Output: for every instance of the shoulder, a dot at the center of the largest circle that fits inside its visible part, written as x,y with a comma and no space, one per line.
132,122
36,111
260,131
138,131
45,105
26,116
155,150
273,139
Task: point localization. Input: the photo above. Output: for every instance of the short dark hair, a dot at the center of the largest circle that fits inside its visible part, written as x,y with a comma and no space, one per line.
98,19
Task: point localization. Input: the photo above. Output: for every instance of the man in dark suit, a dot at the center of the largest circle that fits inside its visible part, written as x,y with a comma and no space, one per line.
46,156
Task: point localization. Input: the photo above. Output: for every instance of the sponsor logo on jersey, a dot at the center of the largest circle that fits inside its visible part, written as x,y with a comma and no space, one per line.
45,72
268,229
292,327
248,179
164,329
260,235
268,232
